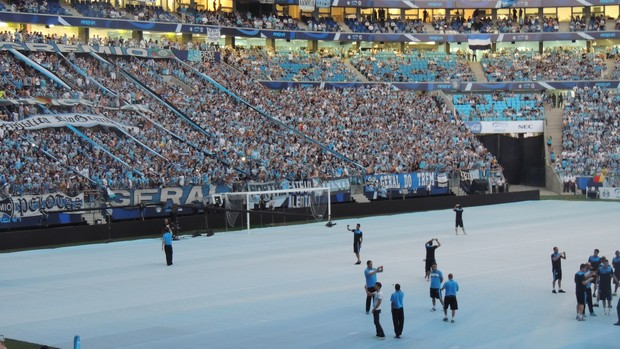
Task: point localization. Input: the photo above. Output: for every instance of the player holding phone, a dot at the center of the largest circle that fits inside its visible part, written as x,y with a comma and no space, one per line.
357,241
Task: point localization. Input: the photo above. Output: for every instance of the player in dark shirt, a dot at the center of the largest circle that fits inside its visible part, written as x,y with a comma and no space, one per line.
582,278
556,268
605,274
459,219
595,263
357,241
430,256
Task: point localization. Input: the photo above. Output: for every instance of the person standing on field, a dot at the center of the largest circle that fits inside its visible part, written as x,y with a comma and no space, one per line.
358,236
436,280
166,245
398,312
556,268
615,262
459,219
377,295
451,287
605,275
430,256
370,274
582,278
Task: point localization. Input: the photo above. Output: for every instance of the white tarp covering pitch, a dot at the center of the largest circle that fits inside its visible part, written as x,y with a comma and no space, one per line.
297,286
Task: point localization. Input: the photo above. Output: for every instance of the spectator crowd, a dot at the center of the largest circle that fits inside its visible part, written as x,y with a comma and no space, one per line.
590,136
203,123
557,64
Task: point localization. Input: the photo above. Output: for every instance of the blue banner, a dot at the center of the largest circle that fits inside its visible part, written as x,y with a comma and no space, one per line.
187,195
383,186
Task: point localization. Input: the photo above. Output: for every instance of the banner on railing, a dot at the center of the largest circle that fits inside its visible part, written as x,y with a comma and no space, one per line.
16,207
405,184
339,184
38,122
609,193
340,188
84,48
187,195
481,127
213,35
412,180
67,102
470,175
306,5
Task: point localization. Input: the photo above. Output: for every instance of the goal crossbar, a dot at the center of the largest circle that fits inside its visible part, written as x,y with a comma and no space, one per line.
249,194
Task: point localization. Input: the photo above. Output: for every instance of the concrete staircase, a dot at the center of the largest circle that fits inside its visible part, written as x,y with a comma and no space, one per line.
609,73
94,217
479,74
359,75
357,193
72,11
553,129
173,80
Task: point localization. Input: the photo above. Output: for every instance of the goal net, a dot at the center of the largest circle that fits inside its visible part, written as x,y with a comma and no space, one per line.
252,209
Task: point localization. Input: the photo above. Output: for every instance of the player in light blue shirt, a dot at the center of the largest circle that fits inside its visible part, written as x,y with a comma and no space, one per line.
436,277
398,312
451,287
166,245
371,279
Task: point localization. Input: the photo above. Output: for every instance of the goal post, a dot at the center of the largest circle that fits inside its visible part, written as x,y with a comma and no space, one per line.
316,199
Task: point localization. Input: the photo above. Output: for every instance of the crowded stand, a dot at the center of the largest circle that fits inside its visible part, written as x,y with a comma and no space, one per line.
22,81
237,19
184,152
590,137
194,132
370,25
384,130
40,6
137,168
25,169
265,153
498,106
150,13
267,64
477,23
595,23
558,64
321,24
231,129
98,9
505,24
36,37
414,66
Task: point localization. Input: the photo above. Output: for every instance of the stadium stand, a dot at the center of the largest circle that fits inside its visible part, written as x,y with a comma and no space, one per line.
553,64
266,64
499,106
414,66
590,134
